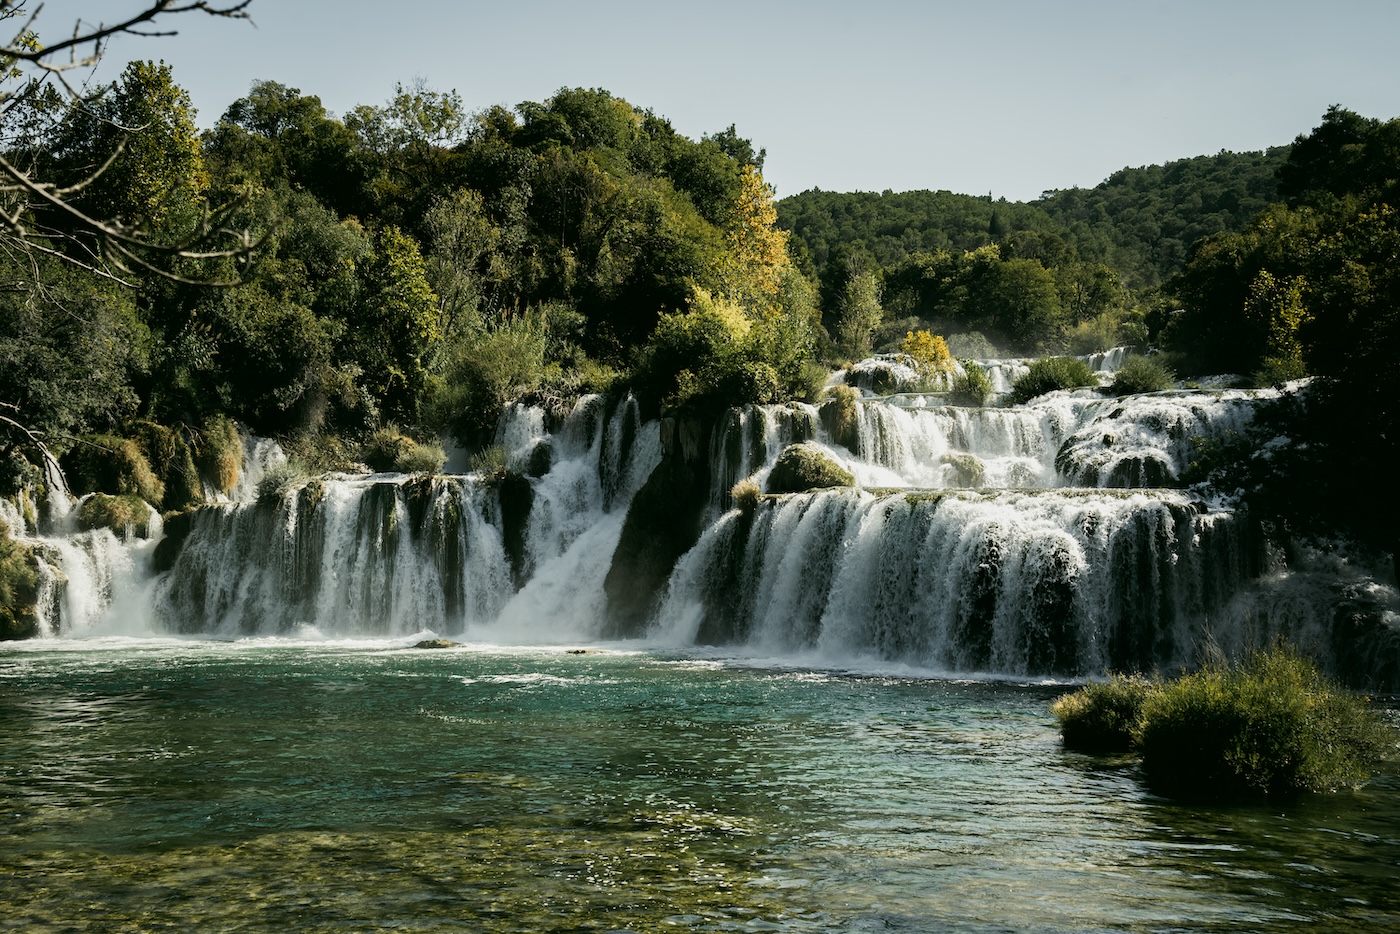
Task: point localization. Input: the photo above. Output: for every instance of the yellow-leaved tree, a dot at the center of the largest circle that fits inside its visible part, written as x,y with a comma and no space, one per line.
758,257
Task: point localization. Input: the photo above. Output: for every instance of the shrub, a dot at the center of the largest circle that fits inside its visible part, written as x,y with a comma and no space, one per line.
422,459
971,387
1270,727
171,459
746,495
929,350
218,452
489,461
126,516
806,466
1049,374
278,481
391,450
1142,374
1273,727
1095,335
1103,717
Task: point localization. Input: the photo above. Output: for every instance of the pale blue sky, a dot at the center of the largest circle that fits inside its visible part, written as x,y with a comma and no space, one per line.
1010,97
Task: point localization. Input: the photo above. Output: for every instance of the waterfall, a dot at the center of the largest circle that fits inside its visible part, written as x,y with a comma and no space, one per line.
1049,582
1049,539
509,556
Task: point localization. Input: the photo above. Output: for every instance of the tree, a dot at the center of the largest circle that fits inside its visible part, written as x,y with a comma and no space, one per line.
858,314
41,213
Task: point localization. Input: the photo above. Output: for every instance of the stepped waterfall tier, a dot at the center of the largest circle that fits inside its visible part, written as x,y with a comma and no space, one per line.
1050,539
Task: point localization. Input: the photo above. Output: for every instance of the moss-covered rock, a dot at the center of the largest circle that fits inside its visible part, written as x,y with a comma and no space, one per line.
840,417
126,516
437,644
19,588
967,469
176,530
111,465
806,466
517,497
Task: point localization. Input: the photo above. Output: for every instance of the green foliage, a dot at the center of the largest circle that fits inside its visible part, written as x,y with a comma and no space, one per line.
1049,374
71,347
173,464
490,461
1141,374
805,466
971,386
714,355
279,481
1094,335
391,450
485,373
1103,716
1273,727
127,516
145,126
858,313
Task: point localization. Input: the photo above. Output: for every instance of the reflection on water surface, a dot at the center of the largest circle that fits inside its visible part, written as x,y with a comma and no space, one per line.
179,786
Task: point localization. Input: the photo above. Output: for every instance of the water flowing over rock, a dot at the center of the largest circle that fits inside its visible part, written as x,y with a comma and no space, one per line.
1052,539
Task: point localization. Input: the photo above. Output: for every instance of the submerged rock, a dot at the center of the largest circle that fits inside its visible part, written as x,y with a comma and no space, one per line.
437,644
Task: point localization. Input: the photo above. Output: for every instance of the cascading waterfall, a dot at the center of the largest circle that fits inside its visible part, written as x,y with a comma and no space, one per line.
1044,539
395,554
1076,439
1012,582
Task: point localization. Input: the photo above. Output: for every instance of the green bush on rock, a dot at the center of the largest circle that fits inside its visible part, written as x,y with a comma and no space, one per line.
1049,374
391,450
1141,374
1103,717
806,466
1272,727
218,452
840,415
107,464
971,387
126,516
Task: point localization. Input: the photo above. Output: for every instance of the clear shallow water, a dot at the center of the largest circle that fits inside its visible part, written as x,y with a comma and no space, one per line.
358,786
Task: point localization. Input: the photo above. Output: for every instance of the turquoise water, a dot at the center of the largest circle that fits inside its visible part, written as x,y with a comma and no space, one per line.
263,786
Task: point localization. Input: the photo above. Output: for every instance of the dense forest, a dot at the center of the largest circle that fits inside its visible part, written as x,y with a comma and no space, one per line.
360,286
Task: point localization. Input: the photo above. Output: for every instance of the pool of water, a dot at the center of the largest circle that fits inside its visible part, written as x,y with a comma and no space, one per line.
269,786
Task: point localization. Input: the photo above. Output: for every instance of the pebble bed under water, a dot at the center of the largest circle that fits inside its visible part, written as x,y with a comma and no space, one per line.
164,785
